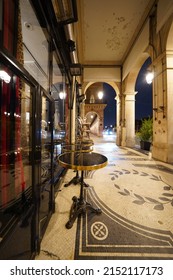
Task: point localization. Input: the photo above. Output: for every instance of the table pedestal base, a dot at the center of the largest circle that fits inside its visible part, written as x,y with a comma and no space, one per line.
80,207
76,180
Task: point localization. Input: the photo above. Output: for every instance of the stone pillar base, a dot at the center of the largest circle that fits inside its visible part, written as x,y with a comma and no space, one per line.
118,136
123,142
130,142
163,152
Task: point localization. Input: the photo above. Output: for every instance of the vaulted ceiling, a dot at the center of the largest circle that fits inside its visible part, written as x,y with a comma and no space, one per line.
107,29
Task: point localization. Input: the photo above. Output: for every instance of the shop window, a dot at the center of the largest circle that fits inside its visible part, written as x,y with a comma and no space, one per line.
15,149
59,95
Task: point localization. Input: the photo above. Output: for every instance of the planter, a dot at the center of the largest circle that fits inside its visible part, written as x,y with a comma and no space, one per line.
145,145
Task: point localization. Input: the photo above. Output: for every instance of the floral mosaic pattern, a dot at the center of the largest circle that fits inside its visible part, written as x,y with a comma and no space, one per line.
158,204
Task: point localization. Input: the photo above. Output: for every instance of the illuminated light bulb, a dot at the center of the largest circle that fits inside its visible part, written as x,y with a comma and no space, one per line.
4,76
62,95
100,94
149,77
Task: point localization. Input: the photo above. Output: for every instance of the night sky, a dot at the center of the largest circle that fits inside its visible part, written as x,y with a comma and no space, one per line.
143,103
110,110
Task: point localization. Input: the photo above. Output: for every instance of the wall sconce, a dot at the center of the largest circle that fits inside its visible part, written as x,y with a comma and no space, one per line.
100,95
75,69
65,11
149,77
4,76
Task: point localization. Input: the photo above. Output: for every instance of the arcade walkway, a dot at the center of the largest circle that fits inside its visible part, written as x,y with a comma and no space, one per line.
135,194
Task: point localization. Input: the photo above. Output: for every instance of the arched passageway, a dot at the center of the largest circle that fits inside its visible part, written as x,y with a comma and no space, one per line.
128,103
100,107
93,118
110,110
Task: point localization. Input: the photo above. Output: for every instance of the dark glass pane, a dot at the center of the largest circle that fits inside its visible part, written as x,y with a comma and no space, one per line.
15,150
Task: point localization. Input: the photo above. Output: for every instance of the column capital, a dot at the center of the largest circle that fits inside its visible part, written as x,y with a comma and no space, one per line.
130,95
130,92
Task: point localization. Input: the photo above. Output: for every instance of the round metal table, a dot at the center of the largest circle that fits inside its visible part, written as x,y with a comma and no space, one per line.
81,161
79,147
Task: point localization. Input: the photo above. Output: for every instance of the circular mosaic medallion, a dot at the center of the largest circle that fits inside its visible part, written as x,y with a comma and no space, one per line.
99,231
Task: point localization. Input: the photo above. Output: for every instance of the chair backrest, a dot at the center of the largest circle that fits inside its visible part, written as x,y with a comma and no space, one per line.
79,122
79,119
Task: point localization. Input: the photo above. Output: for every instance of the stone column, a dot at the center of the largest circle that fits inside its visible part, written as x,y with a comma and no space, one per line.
163,111
128,133
170,105
118,121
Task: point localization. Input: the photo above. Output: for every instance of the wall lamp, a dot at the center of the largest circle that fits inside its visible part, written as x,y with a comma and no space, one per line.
4,76
65,11
149,77
75,69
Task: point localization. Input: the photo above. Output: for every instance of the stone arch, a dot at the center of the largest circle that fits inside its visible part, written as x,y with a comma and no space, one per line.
96,125
169,41
97,118
128,102
116,87
130,81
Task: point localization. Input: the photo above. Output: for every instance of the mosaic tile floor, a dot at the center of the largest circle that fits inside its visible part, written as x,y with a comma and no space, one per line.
135,194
